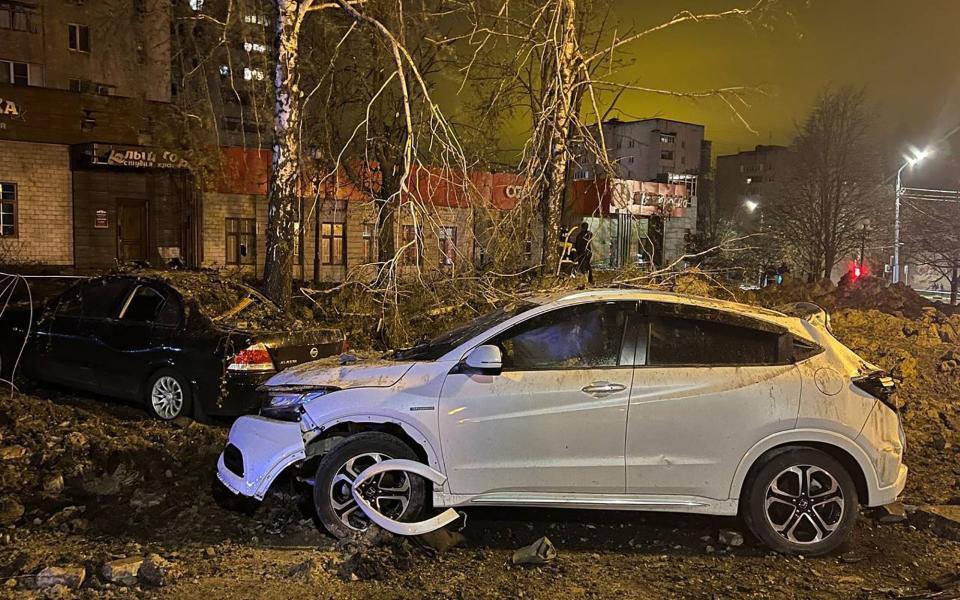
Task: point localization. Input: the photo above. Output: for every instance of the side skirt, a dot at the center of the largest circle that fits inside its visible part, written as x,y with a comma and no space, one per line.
684,504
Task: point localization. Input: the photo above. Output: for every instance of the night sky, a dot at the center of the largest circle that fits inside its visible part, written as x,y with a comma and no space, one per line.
906,53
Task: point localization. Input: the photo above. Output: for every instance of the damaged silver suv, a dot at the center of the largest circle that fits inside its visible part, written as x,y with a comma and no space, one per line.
613,399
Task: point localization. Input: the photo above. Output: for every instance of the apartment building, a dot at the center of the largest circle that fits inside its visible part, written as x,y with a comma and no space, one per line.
747,180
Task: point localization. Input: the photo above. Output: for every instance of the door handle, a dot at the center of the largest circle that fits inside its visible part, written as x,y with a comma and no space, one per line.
603,387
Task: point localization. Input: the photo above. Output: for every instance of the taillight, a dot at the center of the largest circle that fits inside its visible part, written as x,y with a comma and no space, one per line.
254,358
880,385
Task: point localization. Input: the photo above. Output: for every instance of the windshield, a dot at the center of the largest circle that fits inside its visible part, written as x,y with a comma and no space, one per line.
446,342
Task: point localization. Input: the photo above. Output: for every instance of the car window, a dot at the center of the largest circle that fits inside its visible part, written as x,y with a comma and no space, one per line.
143,306
680,341
171,312
69,304
102,298
585,336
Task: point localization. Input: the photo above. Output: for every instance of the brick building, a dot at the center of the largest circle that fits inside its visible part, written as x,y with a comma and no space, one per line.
751,176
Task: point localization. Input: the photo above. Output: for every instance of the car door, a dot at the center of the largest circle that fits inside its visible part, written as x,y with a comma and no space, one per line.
67,351
135,342
553,420
710,386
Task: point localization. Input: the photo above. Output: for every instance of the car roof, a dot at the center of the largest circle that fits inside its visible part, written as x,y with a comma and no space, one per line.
651,295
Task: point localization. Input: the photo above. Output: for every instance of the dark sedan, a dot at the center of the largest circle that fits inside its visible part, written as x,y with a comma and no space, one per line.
182,343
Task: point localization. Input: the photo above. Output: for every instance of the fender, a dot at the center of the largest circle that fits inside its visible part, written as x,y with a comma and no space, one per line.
799,436
433,457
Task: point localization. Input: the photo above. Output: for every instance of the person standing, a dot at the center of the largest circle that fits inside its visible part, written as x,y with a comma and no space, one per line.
581,243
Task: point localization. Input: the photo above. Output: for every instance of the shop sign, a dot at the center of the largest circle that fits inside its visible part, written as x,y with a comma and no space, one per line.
100,220
137,157
9,108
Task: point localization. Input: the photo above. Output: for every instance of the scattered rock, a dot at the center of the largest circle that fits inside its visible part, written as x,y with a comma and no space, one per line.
730,537
304,571
53,484
157,571
441,539
12,452
209,552
123,571
894,512
540,552
69,577
939,442
75,441
944,520
10,511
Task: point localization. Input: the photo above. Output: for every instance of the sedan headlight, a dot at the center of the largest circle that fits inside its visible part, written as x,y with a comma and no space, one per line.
284,403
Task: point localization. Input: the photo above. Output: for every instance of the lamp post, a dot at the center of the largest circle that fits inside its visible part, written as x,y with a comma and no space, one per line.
911,162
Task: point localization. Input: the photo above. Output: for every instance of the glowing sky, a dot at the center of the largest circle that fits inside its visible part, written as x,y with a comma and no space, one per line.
905,53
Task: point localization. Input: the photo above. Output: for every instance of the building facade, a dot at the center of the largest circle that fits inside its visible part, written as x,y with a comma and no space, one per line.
656,151
746,180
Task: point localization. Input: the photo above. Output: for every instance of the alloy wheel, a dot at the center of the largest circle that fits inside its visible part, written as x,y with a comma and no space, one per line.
166,397
388,492
804,504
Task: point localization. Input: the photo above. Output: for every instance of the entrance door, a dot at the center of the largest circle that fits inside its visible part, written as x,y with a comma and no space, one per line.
131,230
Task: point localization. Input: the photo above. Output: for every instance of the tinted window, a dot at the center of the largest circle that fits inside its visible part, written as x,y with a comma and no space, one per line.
170,313
679,341
69,304
101,299
144,305
583,336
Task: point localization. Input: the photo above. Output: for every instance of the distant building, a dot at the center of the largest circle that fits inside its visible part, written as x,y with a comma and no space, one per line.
104,48
656,151
748,179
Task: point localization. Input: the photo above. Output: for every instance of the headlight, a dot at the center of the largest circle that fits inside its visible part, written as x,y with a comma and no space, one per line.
284,404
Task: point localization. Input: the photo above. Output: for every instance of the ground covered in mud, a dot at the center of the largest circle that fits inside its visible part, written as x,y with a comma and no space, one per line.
97,500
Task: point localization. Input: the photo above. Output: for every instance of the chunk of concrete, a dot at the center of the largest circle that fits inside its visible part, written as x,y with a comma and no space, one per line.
123,571
943,519
894,512
540,552
70,577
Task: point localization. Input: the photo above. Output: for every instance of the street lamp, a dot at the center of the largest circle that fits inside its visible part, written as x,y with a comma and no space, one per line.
751,205
912,161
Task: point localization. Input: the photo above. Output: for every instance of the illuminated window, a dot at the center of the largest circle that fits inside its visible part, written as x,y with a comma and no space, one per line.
8,210
241,241
411,246
256,20
369,243
251,74
333,243
448,245
254,47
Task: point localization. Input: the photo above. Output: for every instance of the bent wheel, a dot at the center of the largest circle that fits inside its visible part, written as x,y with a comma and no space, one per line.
398,495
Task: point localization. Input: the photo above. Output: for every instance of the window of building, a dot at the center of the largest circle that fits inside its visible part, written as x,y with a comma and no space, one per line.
630,160
241,240
76,85
666,155
79,37
587,336
479,254
256,20
224,71
8,210
105,90
528,250
18,16
631,143
666,138
196,4
333,243
252,74
448,245
20,73
254,47
369,243
676,341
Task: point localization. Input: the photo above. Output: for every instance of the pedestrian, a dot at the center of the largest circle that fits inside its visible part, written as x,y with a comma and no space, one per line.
581,243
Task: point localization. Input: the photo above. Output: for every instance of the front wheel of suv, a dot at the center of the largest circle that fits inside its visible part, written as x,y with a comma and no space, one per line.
801,501
396,494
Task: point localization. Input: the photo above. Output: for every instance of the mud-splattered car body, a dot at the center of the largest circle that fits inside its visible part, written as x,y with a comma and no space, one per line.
672,408
110,334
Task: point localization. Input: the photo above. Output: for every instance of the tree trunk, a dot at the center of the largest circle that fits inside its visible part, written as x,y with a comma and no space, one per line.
551,199
385,203
285,167
316,242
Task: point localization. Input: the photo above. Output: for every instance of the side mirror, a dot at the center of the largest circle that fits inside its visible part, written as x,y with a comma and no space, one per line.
485,359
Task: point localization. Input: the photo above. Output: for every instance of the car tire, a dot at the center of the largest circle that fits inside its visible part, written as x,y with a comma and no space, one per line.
800,501
167,395
335,508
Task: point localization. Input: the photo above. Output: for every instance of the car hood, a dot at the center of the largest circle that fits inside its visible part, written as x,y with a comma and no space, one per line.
328,372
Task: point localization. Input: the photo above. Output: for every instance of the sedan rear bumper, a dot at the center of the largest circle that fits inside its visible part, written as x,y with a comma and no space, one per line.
239,395
258,450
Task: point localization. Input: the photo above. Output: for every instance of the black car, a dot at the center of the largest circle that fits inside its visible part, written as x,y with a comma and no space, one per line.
182,343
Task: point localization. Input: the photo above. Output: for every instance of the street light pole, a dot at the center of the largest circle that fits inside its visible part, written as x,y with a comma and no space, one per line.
912,161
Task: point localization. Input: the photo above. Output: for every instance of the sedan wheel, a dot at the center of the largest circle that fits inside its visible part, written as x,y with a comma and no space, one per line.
801,501
167,395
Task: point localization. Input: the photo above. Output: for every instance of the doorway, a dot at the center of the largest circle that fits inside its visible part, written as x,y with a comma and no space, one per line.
131,229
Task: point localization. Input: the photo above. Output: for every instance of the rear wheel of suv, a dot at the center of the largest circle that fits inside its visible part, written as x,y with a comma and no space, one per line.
397,494
801,501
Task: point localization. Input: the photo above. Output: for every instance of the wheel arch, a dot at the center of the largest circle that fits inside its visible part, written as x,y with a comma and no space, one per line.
346,426
845,451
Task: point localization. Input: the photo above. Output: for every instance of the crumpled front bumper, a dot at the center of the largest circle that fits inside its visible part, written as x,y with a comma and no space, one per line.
266,447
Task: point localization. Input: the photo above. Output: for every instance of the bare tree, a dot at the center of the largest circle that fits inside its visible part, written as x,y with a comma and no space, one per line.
831,186
931,236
